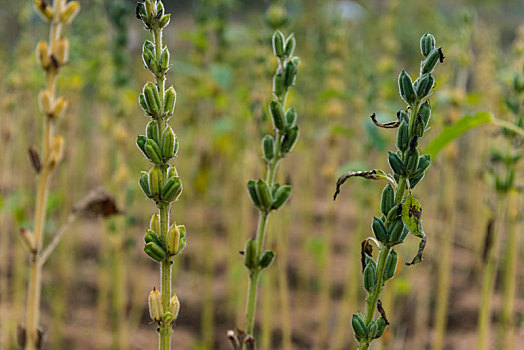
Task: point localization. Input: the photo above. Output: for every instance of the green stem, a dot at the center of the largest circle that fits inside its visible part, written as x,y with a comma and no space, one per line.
165,277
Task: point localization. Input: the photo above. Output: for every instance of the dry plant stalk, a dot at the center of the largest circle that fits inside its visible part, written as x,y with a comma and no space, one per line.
51,56
401,212
162,184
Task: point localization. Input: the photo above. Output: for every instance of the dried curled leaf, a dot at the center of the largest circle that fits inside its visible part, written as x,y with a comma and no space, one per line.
35,159
388,125
374,174
98,202
382,312
366,248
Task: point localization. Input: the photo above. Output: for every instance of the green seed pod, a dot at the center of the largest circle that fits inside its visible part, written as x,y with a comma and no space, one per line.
372,329
173,239
274,189
172,189
425,113
250,254
379,229
164,60
171,171
144,183
388,199
167,144
153,151
396,164
296,61
252,190
405,85
152,131
430,62
267,259
291,117
143,103
155,180
164,21
391,265
150,9
412,161
291,42
403,136
141,143
290,73
281,196
268,147
370,278
278,84
423,163
147,57
427,44
395,230
264,194
278,43
424,85
151,236
182,243
159,9
155,251
381,323
277,114
169,101
152,98
403,116
148,45
394,213
359,327
154,223
290,140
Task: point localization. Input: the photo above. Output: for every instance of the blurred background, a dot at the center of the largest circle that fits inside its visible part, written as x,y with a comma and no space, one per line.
96,284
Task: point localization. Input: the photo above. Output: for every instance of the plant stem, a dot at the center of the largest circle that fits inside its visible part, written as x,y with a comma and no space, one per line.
165,276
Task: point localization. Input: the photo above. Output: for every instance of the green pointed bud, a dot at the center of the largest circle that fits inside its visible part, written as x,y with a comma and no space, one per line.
396,164
278,43
172,189
370,278
140,11
290,140
391,265
153,151
150,8
291,42
151,95
264,194
148,45
171,172
141,143
164,60
425,113
281,196
395,230
405,85
412,161
274,189
423,163
388,199
252,190
167,145
403,136
144,183
430,62
379,229
173,239
152,131
154,223
372,329
381,323
291,117
169,101
290,74
296,61
143,103
182,243
155,180
164,21
359,327
250,254
267,259
268,147
277,114
424,85
155,251
151,236
427,44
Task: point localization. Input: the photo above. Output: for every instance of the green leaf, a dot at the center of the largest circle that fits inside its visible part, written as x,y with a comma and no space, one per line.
412,215
450,133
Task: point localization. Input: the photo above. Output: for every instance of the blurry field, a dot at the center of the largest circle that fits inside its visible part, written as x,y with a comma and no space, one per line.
351,53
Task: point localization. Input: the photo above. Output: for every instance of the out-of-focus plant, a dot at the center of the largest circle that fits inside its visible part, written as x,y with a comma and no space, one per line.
162,184
401,212
266,194
51,57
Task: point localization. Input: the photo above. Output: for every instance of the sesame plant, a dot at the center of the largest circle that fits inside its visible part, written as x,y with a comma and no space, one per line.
51,57
400,212
162,183
266,194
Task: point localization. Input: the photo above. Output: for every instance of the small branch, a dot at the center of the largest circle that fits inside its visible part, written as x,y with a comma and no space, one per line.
389,125
507,125
58,236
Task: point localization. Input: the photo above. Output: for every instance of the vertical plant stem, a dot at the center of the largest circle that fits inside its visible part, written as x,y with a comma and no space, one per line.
165,275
